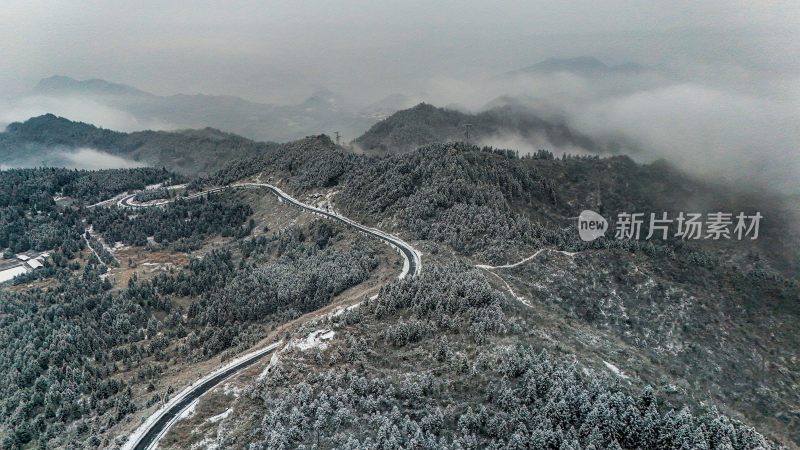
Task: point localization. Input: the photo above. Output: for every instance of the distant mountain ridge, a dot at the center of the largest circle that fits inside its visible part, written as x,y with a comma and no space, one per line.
59,84
390,104
427,124
321,112
190,152
582,65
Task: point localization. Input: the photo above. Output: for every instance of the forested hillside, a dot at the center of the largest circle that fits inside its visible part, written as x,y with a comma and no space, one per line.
497,204
405,225
493,206
446,362
30,218
476,358
79,356
425,124
182,226
313,162
189,152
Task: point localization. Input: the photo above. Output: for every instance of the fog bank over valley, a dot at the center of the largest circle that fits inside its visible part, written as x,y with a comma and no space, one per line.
80,158
711,86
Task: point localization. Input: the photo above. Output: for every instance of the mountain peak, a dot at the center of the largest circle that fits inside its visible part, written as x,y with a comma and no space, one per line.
581,65
322,96
581,62
323,101
59,84
389,105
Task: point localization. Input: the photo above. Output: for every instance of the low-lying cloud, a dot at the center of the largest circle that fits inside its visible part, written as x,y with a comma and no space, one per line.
78,108
89,158
720,130
739,125
706,130
80,158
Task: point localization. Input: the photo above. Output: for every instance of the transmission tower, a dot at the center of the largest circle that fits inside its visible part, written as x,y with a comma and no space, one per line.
467,127
338,136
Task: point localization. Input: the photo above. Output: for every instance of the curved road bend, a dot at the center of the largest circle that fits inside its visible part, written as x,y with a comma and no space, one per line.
160,422
149,433
412,260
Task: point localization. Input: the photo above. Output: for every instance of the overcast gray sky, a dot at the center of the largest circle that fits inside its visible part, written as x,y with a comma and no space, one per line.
723,95
280,50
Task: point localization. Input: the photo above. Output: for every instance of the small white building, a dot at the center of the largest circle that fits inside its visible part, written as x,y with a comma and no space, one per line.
9,274
22,257
34,263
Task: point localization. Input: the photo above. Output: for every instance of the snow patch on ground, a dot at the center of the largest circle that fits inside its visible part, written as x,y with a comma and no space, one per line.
519,298
230,389
316,339
272,362
189,411
523,261
323,201
220,416
341,310
616,370
205,444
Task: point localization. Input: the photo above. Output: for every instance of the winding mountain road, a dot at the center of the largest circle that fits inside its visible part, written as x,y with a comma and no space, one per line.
412,261
151,431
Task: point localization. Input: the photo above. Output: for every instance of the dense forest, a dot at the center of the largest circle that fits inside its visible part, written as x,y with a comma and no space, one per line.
65,346
182,225
63,349
496,206
30,218
437,362
30,186
312,162
443,360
